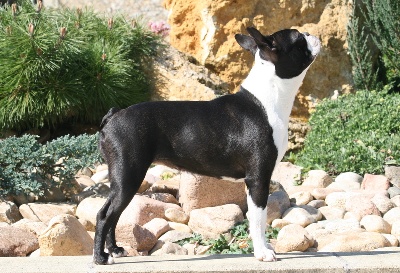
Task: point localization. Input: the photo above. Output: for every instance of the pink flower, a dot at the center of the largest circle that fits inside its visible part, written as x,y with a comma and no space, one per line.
159,28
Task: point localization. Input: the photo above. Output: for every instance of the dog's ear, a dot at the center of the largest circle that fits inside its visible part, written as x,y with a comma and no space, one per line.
268,50
246,42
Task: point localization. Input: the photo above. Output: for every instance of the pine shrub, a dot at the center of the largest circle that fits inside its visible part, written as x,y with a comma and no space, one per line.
357,132
60,65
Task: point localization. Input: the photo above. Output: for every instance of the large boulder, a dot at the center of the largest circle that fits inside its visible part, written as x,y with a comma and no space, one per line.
206,29
44,212
16,242
65,236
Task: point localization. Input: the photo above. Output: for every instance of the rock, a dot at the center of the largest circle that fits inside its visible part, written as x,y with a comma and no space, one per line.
143,209
175,236
348,181
392,239
34,227
375,223
392,215
361,204
342,225
336,199
317,204
315,213
213,221
287,175
176,215
180,227
322,193
144,187
136,236
301,198
101,167
88,209
85,171
197,191
279,223
278,202
206,29
332,213
15,242
393,174
163,197
84,181
44,212
53,194
169,248
375,182
9,212
382,203
22,198
157,226
65,236
351,215
170,186
100,176
396,228
293,237
298,215
396,200
394,191
318,179
354,242
100,190
88,225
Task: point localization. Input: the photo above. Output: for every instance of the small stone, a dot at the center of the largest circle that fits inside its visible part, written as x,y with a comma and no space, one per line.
301,198
144,186
162,197
293,237
279,223
375,182
396,228
136,236
392,215
177,216
353,242
317,178
342,225
383,203
393,174
174,236
169,248
392,239
361,204
336,199
396,200
180,227
157,226
375,223
348,181
9,212
332,213
300,216
84,181
394,191
317,204
100,176
321,193
278,203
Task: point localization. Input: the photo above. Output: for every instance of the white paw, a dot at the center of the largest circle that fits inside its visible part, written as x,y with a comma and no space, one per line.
118,255
265,253
110,260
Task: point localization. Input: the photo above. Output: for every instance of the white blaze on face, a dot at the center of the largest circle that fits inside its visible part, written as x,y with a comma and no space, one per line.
313,44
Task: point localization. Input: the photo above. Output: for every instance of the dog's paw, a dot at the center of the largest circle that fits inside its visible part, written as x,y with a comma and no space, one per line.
118,252
103,259
265,253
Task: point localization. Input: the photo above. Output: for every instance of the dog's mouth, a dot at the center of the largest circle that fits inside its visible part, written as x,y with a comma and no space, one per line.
313,44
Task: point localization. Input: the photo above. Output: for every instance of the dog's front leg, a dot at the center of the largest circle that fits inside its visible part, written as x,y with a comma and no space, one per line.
263,251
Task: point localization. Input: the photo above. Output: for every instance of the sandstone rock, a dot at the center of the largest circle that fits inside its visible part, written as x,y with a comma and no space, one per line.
342,225
332,213
297,215
197,191
348,181
34,227
143,209
396,228
317,204
393,174
65,236
322,193
100,176
205,29
16,242
44,212
177,216
318,179
286,174
213,221
169,248
163,197
392,215
361,204
136,236
157,226
301,198
336,199
375,223
382,203
9,212
293,237
375,182
278,203
88,209
180,227
354,242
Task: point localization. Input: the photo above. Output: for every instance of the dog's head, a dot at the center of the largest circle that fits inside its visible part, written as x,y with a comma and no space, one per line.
289,50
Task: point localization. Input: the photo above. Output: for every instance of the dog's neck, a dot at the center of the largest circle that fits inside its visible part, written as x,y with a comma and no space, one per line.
276,95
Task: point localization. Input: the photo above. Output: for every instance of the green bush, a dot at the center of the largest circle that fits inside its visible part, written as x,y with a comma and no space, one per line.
376,21
357,132
29,167
61,65
239,244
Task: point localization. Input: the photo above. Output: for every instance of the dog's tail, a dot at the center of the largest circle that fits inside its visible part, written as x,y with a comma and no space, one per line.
108,116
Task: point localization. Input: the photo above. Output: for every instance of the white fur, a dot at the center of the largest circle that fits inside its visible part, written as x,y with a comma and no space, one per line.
263,251
231,179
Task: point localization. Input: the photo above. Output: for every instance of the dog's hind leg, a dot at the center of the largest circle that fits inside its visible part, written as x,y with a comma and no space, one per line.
257,197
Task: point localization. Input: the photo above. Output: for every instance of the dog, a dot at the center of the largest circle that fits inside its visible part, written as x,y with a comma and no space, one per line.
237,136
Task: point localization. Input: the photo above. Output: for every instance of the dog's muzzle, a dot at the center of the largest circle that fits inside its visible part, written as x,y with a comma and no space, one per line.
313,43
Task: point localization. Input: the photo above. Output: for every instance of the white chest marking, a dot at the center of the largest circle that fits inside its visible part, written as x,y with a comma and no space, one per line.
276,95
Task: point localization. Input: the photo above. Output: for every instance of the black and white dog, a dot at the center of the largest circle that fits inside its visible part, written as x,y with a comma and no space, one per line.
239,136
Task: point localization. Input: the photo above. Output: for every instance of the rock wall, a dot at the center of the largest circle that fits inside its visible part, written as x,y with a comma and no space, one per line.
205,29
